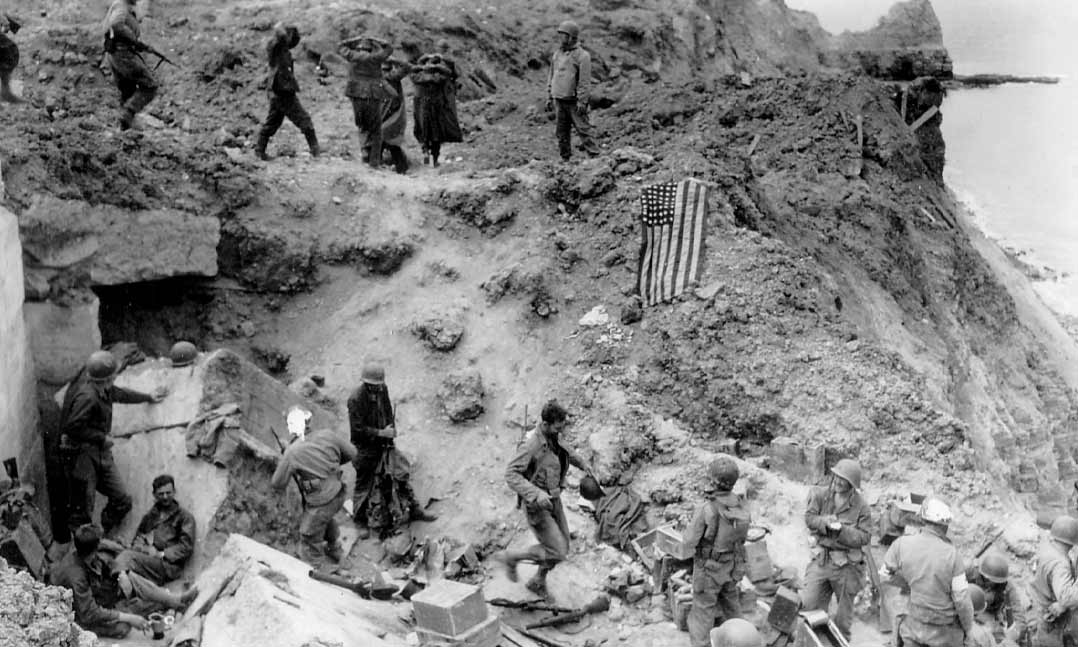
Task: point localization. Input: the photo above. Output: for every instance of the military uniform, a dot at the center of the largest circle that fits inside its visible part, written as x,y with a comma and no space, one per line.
1005,604
717,536
367,94
1054,582
569,87
940,612
838,565
133,77
165,540
284,92
9,57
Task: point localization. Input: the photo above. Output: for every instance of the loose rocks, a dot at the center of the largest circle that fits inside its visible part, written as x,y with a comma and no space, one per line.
440,329
462,395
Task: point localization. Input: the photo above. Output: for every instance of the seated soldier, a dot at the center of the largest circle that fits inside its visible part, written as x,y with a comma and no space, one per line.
165,538
106,603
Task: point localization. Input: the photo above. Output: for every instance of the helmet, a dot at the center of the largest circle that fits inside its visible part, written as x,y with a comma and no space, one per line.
723,471
736,632
994,568
183,353
977,597
850,470
1065,529
590,489
935,511
569,28
373,373
102,365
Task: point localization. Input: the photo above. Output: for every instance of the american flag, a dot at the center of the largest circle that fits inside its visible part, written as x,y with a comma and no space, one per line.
673,224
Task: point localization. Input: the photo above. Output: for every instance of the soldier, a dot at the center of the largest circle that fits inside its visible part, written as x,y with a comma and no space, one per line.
716,537
394,116
314,460
383,498
85,425
133,77
537,475
568,89
940,612
165,539
840,522
366,54
736,633
1054,588
284,91
9,57
1004,601
106,603
434,105
980,635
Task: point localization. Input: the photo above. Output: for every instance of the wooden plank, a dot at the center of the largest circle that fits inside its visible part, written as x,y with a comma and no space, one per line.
752,146
860,134
931,112
905,99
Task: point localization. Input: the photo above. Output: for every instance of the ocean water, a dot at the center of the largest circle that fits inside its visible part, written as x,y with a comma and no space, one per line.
1012,151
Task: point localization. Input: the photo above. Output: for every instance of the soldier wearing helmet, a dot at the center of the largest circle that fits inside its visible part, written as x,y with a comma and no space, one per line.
736,633
383,497
716,538
980,635
1054,588
569,91
940,612
840,523
85,425
1004,601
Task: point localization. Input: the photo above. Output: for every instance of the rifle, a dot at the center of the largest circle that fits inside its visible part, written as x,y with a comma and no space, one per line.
529,605
161,58
295,477
362,588
988,544
598,605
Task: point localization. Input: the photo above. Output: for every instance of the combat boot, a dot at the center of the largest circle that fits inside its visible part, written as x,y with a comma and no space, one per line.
260,148
312,142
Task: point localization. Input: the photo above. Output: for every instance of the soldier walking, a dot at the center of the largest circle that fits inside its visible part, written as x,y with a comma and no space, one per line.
716,537
283,91
568,91
9,57
940,611
840,523
366,54
124,48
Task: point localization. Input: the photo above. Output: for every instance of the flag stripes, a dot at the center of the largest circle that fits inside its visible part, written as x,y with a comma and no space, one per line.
672,239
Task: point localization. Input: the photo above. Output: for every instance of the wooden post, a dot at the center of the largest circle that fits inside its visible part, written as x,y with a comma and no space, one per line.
905,98
860,135
931,112
752,146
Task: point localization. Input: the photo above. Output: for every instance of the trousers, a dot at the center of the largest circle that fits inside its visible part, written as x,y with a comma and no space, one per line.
824,578
285,105
367,113
318,529
94,470
569,117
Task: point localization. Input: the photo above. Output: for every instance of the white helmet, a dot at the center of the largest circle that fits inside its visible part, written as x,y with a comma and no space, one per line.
936,511
297,418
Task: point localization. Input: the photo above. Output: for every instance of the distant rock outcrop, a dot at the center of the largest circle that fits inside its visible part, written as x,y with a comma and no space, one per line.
905,44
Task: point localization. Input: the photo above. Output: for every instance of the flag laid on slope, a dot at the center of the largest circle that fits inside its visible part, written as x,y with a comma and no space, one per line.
673,223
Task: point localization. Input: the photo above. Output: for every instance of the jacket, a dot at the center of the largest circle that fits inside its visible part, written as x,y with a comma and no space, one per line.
1006,604
171,532
94,591
86,416
854,514
1054,580
570,75
936,575
540,466
718,528
317,461
369,411
365,73
282,78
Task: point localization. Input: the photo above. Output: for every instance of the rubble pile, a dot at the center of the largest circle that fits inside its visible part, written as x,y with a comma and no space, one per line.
35,615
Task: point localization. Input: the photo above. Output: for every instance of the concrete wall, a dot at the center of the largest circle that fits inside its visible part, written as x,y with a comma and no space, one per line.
19,438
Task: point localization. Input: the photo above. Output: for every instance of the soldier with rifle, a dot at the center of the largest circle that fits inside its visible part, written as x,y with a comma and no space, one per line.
123,48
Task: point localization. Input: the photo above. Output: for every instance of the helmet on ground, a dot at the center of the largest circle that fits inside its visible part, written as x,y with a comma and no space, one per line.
850,470
569,28
723,471
373,373
977,597
183,353
590,489
102,365
1065,529
994,568
936,511
736,632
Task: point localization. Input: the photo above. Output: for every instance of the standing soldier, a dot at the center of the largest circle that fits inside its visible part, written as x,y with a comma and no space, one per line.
283,91
1055,591
133,77
366,54
434,105
394,116
1004,602
9,57
314,460
568,91
716,537
940,612
840,523
537,475
85,425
